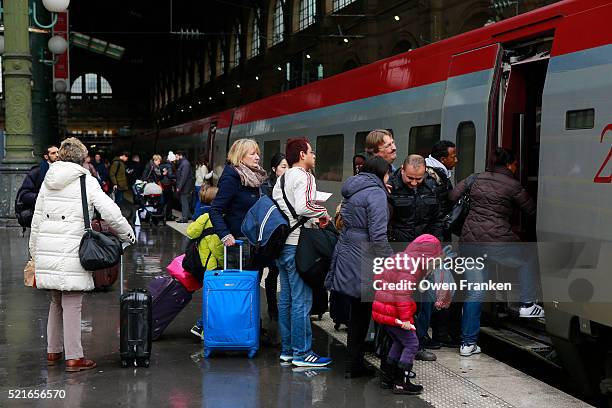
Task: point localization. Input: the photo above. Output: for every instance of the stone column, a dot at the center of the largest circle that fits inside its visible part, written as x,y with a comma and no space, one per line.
17,62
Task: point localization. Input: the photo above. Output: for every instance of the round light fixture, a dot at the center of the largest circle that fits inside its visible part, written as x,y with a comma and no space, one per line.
396,18
57,44
60,85
56,6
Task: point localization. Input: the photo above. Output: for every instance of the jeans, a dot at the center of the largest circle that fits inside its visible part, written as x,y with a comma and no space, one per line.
404,348
185,206
510,255
118,196
294,303
424,310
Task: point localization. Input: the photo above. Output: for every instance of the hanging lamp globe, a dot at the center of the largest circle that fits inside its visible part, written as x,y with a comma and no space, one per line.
57,44
56,6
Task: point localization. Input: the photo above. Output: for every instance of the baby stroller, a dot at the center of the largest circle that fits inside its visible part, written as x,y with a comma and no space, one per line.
148,197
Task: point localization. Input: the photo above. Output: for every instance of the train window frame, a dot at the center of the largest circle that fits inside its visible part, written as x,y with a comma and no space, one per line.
364,134
464,161
590,120
323,168
412,136
266,156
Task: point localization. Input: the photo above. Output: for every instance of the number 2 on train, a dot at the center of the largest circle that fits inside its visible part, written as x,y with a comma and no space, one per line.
598,177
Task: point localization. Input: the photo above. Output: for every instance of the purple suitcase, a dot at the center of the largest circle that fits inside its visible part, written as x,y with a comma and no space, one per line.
169,298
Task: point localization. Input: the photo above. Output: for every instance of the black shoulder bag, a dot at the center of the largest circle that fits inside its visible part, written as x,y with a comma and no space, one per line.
454,220
98,250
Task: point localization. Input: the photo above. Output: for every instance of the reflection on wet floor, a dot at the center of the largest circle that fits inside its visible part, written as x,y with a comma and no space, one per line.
179,376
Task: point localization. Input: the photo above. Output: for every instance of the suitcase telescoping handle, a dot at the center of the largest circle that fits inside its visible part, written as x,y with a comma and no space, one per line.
240,243
123,245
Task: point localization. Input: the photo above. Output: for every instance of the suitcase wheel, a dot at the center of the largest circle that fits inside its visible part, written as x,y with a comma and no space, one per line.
252,353
207,353
144,363
124,363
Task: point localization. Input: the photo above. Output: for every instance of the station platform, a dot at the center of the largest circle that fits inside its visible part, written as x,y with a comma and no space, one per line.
180,377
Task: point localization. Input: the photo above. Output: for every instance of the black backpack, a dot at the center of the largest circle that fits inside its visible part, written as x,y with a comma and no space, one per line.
23,212
192,262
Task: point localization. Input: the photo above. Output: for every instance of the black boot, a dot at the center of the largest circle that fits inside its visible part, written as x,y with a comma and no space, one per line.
386,374
402,384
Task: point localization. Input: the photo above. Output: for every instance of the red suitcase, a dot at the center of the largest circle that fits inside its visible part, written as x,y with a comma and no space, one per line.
104,278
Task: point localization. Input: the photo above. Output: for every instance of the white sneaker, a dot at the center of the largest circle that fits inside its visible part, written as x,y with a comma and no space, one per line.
534,310
467,350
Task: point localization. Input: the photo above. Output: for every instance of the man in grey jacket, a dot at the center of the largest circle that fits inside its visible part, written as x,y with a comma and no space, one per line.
184,185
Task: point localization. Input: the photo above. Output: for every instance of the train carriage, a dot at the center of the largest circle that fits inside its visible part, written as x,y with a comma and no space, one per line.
539,83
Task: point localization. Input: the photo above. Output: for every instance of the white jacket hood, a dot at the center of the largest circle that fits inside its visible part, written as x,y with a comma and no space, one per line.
61,174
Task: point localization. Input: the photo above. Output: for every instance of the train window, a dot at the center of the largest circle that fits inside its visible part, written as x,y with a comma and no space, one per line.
330,156
360,138
580,119
466,149
422,138
270,148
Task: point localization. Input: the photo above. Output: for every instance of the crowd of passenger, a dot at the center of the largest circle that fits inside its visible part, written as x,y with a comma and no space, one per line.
382,206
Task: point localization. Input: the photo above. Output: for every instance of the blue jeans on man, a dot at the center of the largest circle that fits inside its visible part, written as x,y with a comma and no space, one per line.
294,304
513,255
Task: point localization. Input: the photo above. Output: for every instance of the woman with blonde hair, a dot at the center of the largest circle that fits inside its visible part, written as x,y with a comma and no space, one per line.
57,228
238,190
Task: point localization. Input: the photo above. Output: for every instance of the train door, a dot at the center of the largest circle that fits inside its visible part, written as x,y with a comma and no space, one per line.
523,74
524,69
469,100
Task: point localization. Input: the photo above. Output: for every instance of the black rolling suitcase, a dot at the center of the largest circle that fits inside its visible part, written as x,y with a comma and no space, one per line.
135,326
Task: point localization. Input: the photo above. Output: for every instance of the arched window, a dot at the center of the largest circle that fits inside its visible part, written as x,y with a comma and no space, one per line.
308,10
220,59
254,30
236,46
338,4
278,23
92,86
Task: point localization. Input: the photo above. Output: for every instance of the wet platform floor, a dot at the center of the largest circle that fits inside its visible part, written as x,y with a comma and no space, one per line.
178,376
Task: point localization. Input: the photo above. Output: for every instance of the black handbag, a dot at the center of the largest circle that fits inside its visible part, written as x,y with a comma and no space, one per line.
454,220
98,250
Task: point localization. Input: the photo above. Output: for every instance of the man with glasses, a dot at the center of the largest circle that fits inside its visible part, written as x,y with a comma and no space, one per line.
416,210
380,143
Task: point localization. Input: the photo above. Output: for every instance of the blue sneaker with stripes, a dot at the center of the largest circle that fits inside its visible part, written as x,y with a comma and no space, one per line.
311,360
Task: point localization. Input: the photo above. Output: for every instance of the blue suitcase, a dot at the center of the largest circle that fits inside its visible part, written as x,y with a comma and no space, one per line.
230,309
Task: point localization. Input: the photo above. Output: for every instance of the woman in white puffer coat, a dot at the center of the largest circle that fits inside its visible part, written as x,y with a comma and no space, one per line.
57,228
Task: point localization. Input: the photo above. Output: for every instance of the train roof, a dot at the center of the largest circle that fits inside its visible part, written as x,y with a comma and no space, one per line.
422,66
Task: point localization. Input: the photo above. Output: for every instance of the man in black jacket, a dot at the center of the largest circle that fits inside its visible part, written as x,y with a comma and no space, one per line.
28,193
416,210
445,323
184,185
416,207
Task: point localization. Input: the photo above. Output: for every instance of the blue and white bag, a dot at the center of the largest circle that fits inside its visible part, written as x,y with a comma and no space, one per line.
266,227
